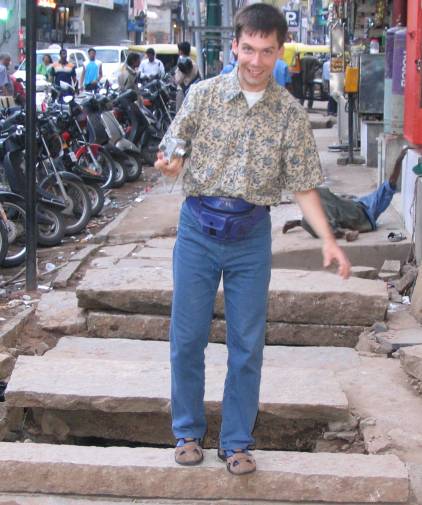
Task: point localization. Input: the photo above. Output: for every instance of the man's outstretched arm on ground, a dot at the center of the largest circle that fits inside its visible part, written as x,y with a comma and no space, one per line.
313,212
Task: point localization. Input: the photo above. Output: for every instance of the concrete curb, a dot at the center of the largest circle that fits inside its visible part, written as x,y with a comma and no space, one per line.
11,329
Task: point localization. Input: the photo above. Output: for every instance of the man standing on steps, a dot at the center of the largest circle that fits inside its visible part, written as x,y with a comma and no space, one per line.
246,139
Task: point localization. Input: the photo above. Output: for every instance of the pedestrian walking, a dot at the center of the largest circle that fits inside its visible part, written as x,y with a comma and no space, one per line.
152,66
246,139
92,72
309,66
281,74
6,86
128,76
332,104
44,67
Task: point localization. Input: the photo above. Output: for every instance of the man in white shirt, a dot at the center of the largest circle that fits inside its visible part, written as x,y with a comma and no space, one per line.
151,66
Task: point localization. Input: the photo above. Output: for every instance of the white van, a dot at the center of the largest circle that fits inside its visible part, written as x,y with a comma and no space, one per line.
112,58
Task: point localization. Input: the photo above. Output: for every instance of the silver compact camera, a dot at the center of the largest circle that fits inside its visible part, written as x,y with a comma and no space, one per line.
174,148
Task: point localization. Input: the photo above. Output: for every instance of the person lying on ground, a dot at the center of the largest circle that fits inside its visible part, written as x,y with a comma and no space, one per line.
350,216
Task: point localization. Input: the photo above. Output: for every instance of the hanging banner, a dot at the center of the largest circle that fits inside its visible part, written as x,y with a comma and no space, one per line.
105,4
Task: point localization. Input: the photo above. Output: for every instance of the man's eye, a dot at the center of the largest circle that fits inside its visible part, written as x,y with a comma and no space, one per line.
268,52
247,50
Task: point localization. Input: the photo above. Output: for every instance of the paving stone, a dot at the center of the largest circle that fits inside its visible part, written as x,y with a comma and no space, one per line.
118,251
10,330
401,338
65,274
388,276
104,262
154,252
161,243
135,262
364,272
153,473
327,298
416,303
59,311
391,266
406,280
143,327
335,359
7,363
84,253
411,361
128,386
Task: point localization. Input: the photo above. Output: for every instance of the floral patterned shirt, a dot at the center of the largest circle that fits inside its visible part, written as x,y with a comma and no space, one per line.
235,151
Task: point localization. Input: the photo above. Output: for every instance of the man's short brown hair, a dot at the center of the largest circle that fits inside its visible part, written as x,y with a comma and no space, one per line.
260,18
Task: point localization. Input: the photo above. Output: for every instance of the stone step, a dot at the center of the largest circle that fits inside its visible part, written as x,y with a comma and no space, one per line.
106,324
152,473
328,299
130,400
331,358
411,361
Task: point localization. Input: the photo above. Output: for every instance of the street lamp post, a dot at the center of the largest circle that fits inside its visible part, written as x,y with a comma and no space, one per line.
31,146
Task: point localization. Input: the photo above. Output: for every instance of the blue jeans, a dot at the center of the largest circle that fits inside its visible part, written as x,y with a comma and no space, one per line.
199,262
377,202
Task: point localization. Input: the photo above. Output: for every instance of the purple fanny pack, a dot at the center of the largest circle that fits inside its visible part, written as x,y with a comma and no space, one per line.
225,218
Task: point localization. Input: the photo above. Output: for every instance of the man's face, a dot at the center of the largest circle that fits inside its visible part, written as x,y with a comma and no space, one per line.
6,62
150,57
91,55
63,56
256,57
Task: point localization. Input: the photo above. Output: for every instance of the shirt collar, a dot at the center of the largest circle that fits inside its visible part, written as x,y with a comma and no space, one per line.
233,89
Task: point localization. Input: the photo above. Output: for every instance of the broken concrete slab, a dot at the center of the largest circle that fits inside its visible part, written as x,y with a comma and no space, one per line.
401,338
59,311
127,386
144,327
411,361
334,359
327,298
84,253
103,262
406,281
65,274
149,472
118,251
10,330
388,276
364,272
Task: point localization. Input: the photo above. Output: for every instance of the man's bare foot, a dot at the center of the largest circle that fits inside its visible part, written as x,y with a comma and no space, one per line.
292,223
351,235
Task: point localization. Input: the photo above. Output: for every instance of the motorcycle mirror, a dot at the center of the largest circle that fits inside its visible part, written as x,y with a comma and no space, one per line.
115,86
67,99
103,91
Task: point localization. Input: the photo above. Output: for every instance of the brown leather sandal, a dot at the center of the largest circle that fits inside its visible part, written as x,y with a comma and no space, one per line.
189,453
239,462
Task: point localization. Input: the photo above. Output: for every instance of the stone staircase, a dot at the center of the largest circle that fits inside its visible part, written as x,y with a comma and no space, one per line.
99,407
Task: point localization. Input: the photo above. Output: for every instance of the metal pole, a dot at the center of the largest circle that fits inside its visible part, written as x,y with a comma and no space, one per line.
31,146
198,40
81,20
225,14
351,106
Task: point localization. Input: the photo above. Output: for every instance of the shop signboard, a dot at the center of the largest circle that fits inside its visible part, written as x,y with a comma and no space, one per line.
292,18
105,4
47,4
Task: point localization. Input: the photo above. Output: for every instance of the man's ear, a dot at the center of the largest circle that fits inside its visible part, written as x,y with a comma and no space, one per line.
235,47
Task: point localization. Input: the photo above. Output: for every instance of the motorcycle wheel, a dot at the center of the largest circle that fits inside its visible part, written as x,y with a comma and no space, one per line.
149,154
77,213
120,175
96,195
106,163
51,232
15,234
133,166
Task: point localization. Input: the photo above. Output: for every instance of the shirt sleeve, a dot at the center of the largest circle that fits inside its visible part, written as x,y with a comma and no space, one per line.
184,125
3,76
300,164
